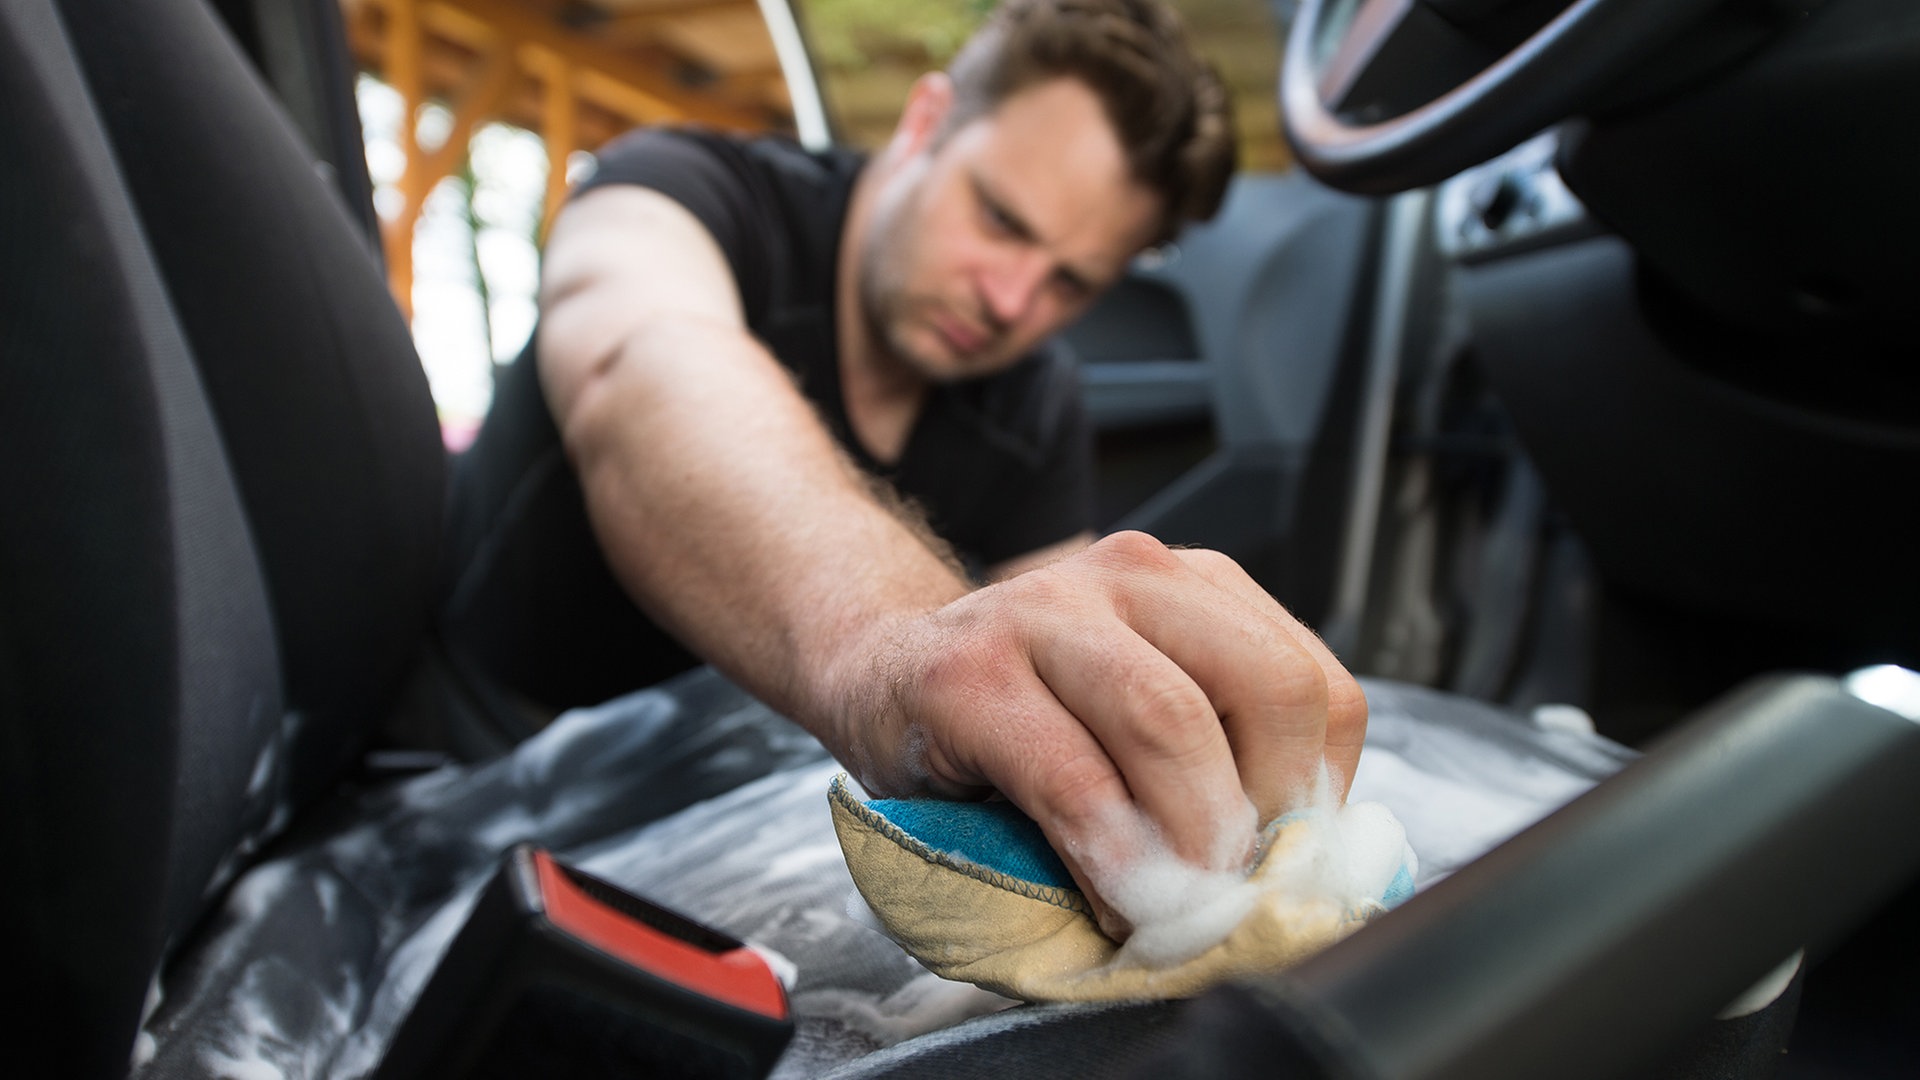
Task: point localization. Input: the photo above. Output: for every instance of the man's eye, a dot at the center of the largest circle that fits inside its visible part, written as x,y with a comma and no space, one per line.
998,220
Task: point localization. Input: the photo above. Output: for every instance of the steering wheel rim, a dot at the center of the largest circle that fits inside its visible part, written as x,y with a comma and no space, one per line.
1547,77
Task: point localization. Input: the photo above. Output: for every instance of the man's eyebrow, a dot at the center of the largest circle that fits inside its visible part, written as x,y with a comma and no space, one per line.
1079,277
1015,223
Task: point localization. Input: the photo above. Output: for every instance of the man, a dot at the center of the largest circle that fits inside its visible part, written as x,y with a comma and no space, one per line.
1124,694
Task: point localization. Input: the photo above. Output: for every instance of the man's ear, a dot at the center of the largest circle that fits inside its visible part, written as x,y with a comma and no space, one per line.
926,111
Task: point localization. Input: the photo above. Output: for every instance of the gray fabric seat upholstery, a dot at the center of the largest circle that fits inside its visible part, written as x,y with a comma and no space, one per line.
225,485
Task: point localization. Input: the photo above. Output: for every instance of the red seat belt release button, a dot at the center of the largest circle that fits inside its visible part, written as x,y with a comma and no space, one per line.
722,969
557,972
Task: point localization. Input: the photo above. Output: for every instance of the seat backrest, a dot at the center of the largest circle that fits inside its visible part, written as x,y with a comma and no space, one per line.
309,367
222,484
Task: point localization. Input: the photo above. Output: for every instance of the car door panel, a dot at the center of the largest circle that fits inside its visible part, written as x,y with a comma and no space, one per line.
1213,374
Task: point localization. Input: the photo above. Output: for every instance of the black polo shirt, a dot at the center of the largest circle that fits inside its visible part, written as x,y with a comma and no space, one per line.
1001,464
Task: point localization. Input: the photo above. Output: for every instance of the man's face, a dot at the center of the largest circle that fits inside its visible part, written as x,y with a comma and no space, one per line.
987,239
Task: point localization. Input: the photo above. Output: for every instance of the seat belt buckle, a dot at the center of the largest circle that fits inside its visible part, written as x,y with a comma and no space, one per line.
558,973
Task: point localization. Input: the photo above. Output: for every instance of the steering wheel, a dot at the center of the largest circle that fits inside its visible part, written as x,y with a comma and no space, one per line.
1381,96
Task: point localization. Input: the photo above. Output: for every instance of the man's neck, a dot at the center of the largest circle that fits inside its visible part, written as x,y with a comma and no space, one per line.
882,396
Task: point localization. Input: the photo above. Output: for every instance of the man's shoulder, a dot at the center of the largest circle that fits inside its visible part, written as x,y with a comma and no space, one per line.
775,208
646,153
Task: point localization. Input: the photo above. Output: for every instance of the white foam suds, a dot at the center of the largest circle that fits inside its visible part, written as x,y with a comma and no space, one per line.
1177,910
1374,849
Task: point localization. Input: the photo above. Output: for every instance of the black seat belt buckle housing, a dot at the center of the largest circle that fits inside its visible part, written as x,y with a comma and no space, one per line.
557,973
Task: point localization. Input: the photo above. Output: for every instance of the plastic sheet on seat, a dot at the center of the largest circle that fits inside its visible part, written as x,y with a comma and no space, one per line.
701,799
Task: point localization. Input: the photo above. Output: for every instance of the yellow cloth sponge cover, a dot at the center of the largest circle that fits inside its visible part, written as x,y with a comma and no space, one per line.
973,891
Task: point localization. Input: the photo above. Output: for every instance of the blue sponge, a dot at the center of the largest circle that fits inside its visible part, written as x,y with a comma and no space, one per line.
995,835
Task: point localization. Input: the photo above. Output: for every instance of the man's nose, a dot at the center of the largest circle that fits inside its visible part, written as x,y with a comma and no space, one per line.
1011,285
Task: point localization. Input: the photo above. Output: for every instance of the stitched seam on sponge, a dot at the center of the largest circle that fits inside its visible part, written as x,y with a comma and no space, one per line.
1069,899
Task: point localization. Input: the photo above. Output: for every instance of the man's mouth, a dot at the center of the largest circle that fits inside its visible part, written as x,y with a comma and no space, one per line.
963,336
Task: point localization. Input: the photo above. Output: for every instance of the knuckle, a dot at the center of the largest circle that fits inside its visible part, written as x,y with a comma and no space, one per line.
1346,702
1174,721
1078,783
1302,685
1043,589
1131,548
1213,562
963,673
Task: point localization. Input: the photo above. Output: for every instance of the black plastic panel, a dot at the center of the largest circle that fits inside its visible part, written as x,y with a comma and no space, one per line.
1691,490
1780,199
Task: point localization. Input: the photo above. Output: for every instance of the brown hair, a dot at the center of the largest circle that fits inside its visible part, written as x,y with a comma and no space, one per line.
1169,107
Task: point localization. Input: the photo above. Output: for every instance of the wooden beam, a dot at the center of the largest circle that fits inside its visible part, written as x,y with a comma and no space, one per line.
723,41
638,104
575,86
640,10
640,22
559,131
480,100
624,86
403,73
764,84
446,68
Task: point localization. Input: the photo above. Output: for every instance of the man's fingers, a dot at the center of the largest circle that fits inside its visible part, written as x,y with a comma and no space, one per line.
1161,733
1198,686
1346,703
1266,692
1043,759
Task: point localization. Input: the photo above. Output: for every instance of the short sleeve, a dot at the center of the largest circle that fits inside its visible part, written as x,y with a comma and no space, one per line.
712,177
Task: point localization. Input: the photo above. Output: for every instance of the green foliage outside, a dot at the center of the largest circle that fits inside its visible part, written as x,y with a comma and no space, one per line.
856,33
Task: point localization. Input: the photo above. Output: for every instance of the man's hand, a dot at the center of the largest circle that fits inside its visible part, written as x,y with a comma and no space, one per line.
1127,676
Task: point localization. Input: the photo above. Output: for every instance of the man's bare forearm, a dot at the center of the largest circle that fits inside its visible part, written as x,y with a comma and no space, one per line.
729,513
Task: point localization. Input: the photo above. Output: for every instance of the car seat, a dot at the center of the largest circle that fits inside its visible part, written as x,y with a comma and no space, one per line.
226,481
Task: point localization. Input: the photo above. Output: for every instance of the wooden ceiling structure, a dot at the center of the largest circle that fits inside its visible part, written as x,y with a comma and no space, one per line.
577,72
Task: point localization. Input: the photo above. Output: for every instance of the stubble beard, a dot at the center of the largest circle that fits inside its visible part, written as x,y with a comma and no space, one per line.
891,315
887,312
